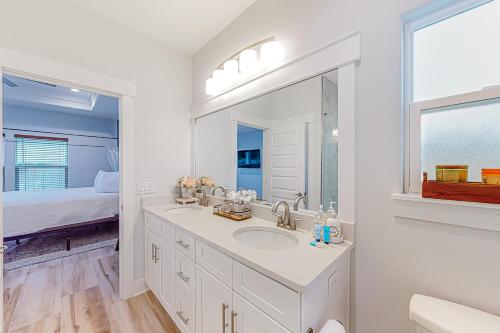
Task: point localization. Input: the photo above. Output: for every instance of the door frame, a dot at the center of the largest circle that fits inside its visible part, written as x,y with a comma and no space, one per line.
31,66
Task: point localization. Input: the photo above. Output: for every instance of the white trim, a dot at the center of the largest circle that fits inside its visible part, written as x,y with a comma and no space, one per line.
140,287
460,213
36,67
414,127
347,143
334,55
127,197
22,64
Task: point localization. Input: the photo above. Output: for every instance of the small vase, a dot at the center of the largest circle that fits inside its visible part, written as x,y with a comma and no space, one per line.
186,193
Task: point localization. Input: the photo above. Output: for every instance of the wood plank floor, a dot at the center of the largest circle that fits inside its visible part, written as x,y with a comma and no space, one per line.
78,294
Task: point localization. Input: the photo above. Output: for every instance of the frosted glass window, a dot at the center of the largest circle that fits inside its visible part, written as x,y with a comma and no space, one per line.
457,55
467,134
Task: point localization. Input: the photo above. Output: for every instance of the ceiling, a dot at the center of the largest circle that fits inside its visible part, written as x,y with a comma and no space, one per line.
185,25
43,96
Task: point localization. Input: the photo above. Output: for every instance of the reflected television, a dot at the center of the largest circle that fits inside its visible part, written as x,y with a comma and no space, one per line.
249,159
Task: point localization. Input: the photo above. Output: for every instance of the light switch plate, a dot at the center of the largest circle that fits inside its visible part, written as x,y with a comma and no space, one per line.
145,187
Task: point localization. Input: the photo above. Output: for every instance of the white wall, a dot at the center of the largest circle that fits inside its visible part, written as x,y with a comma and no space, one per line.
393,258
87,139
58,30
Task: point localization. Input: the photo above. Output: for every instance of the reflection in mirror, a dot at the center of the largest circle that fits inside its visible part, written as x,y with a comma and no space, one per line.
283,145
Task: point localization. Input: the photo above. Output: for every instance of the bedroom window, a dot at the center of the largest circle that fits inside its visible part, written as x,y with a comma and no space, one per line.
452,92
41,163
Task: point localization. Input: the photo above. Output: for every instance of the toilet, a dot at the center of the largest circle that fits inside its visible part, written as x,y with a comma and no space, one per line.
433,315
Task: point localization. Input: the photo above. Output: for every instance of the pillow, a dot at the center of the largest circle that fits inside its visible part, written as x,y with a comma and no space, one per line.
107,182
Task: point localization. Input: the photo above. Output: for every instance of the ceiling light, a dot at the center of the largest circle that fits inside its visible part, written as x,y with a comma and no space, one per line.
75,90
271,53
248,60
231,69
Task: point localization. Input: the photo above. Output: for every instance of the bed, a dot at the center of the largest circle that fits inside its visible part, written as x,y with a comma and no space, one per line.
35,213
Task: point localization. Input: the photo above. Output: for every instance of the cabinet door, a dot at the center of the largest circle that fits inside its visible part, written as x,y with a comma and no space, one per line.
153,271
248,319
167,262
213,304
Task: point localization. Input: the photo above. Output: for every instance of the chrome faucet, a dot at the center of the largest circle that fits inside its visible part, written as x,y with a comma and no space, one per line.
215,188
284,221
300,196
204,199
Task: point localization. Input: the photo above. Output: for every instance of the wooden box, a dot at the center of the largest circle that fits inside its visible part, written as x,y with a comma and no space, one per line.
473,192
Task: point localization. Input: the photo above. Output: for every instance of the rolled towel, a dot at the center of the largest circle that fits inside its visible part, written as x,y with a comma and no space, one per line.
332,326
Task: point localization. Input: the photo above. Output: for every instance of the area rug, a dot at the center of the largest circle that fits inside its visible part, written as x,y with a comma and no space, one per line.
37,250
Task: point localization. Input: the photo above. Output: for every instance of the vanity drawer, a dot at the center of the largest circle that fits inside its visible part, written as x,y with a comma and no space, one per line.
160,227
153,223
185,275
185,243
279,302
215,262
168,233
184,313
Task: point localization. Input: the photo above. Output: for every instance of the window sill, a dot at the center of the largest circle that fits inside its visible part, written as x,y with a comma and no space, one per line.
466,214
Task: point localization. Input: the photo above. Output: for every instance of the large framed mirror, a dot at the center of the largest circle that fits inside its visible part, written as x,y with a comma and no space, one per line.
283,145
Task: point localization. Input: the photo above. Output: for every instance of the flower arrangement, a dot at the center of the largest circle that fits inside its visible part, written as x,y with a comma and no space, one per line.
186,182
206,181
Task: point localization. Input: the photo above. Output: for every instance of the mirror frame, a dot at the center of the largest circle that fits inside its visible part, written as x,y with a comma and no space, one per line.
342,55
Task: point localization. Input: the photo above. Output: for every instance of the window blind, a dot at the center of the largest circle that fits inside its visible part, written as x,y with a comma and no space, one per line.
41,163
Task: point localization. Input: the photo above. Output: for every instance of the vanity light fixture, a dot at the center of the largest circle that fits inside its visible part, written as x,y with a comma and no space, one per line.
264,54
248,60
271,53
231,69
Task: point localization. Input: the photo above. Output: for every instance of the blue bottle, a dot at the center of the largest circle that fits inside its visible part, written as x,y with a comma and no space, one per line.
326,234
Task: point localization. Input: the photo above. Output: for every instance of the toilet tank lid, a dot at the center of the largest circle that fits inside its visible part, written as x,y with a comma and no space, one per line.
439,316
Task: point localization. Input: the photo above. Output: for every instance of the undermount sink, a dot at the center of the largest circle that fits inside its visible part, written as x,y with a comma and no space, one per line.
265,238
184,209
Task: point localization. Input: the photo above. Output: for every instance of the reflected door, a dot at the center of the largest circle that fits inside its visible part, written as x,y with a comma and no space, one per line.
287,146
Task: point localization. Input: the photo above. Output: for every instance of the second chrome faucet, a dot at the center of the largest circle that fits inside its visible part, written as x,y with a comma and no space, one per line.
285,220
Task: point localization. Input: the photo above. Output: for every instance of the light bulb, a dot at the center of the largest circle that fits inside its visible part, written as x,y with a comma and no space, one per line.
220,79
211,86
231,69
248,60
271,53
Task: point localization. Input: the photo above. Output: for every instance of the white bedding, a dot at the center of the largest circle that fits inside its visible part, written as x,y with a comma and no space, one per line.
26,212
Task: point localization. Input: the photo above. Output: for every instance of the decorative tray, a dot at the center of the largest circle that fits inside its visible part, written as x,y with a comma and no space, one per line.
472,192
245,214
186,201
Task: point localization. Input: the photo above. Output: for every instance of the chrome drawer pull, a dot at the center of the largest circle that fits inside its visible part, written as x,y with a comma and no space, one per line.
184,278
224,324
184,245
155,253
184,320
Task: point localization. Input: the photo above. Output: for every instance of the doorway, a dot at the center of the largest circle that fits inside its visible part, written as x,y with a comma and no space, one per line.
27,66
250,145
60,202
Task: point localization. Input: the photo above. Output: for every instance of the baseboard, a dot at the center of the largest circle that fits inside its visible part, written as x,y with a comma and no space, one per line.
140,287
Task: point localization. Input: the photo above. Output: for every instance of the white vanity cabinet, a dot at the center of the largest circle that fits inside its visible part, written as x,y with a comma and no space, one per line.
160,267
213,304
207,291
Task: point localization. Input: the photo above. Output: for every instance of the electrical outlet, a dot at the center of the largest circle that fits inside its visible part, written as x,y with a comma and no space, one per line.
145,187
332,283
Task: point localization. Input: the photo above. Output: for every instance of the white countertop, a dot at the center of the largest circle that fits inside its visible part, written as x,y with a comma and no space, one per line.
296,268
